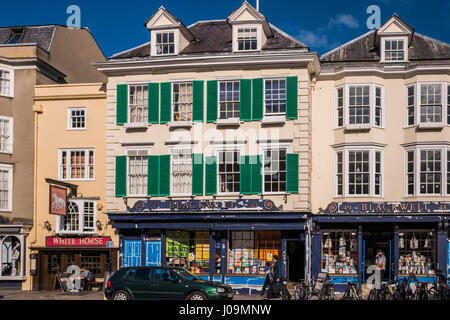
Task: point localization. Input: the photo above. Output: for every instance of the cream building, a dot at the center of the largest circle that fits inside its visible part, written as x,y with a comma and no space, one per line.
209,147
381,155
70,139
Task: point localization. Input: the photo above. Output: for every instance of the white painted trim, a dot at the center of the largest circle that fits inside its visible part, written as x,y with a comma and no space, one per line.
383,46
245,26
137,149
10,169
69,150
265,115
171,151
227,147
273,146
11,80
69,115
11,134
23,245
80,204
176,39
443,103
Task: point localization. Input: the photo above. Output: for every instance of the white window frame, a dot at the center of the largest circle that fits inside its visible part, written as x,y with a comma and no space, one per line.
87,150
273,115
172,150
221,148
141,152
69,118
372,105
417,104
172,112
246,26
219,101
345,158
136,124
80,204
405,49
176,39
273,146
417,166
11,135
10,169
11,81
21,238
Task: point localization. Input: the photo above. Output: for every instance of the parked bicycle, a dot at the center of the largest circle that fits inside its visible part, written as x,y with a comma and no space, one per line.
302,291
353,292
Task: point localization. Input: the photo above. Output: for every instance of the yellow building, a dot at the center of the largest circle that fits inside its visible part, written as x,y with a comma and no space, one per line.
71,153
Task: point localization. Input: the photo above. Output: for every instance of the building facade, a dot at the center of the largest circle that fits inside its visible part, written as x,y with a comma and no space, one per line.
381,155
30,56
70,140
209,148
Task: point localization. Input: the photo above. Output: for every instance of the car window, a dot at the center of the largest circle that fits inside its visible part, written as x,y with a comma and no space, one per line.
142,274
163,275
130,274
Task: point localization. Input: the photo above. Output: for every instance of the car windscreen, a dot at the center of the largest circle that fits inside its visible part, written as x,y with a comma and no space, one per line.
185,274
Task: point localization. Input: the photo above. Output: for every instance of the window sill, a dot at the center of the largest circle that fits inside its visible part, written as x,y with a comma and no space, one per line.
16,278
228,122
134,126
91,234
430,126
274,120
180,124
358,128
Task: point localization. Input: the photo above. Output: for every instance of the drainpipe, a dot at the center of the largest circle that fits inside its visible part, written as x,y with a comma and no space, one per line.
38,109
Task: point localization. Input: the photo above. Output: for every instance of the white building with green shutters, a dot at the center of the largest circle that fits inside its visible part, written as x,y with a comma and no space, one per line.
209,147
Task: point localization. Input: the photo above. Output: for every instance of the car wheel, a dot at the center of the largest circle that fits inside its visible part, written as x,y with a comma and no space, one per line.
121,295
197,296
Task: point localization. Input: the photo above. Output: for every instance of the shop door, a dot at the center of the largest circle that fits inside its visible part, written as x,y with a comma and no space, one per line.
296,261
153,253
375,241
132,253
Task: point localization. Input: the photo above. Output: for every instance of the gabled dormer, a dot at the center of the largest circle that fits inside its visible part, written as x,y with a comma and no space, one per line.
250,29
169,36
393,39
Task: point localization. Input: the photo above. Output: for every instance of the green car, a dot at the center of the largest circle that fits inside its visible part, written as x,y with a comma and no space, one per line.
163,283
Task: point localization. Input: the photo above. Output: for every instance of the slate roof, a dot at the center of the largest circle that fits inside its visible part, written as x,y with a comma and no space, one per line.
40,35
216,37
363,49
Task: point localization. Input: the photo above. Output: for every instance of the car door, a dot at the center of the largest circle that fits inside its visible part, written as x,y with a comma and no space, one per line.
138,280
168,286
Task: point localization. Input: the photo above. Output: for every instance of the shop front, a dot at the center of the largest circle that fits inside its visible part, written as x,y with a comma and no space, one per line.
59,253
411,238
231,246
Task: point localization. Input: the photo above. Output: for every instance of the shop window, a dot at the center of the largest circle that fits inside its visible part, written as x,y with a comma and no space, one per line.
92,263
417,250
340,252
11,257
181,172
250,251
80,218
138,103
189,250
182,101
53,264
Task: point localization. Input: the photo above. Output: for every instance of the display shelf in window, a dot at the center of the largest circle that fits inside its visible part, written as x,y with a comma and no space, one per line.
340,252
417,251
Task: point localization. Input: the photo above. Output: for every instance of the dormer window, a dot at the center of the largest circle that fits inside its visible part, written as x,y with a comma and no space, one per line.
247,39
164,43
394,50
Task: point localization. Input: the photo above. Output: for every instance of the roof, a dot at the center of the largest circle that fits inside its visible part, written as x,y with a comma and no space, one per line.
42,36
216,37
363,49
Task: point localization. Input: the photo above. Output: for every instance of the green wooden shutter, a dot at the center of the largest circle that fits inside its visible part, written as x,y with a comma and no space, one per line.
258,99
292,175
153,103
256,175
246,175
197,174
212,102
153,176
246,100
166,102
292,98
121,176
122,104
164,176
198,101
211,176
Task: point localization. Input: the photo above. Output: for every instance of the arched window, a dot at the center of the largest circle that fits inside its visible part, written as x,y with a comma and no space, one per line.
11,257
80,218
71,220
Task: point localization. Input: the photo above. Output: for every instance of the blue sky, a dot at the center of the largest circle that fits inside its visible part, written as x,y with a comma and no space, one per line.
322,24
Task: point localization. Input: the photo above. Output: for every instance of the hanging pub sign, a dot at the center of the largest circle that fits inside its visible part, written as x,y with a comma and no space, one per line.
58,201
205,205
387,207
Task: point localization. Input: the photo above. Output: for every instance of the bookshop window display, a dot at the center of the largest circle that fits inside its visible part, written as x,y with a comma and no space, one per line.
417,251
188,249
250,251
340,252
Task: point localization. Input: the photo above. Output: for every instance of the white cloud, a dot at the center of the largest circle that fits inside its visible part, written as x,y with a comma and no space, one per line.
344,19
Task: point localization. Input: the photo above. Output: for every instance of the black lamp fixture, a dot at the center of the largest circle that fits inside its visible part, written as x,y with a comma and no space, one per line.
48,225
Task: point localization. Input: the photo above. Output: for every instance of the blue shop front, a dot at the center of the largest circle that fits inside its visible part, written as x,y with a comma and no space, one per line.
412,236
224,241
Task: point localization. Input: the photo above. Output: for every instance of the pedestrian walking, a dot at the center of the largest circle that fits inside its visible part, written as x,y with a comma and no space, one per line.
269,278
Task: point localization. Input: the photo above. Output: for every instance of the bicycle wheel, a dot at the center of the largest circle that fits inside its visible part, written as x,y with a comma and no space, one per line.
434,294
372,295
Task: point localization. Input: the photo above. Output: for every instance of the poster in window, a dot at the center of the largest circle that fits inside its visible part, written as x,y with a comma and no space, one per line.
58,201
